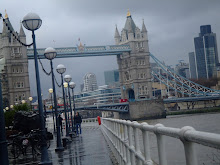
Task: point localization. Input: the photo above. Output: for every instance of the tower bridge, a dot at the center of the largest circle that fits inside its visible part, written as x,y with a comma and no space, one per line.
133,58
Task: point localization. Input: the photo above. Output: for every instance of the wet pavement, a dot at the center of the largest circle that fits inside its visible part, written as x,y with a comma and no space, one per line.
89,148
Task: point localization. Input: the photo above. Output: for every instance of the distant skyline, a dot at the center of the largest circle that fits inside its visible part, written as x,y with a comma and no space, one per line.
171,26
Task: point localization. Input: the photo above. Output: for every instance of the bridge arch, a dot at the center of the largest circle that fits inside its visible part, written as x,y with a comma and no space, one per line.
130,94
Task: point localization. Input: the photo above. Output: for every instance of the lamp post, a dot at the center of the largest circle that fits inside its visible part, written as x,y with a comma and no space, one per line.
33,22
30,99
51,92
3,141
61,69
72,85
68,78
65,85
50,54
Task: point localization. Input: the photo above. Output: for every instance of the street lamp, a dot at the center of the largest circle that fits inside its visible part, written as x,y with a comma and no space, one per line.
51,95
33,22
61,69
3,141
65,85
72,85
50,54
30,99
68,78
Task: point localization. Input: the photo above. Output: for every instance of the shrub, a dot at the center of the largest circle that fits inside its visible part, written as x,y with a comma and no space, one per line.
9,115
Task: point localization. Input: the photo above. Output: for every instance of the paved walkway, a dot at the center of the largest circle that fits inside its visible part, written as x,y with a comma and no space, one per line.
89,148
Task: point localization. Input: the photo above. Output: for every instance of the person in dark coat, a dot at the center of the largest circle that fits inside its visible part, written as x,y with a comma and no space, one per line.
60,119
77,122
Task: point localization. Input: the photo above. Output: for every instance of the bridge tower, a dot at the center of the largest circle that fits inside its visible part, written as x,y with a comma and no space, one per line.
13,65
134,67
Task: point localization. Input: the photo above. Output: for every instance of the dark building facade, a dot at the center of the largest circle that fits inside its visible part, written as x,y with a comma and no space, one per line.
192,65
206,53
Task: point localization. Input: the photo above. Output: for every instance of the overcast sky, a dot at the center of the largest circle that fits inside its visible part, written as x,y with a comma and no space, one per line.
171,25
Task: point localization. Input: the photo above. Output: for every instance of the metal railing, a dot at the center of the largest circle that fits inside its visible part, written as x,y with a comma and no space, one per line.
124,140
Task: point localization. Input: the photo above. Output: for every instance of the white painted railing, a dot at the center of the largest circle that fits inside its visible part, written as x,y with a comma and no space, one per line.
124,139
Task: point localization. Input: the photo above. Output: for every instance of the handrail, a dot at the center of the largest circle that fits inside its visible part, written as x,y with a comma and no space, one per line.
125,144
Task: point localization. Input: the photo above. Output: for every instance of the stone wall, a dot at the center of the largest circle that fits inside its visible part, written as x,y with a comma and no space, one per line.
145,109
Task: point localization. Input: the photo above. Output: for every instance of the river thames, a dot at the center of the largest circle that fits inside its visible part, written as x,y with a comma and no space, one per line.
174,147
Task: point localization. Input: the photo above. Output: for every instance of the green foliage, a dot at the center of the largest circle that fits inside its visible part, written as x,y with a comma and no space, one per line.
22,107
206,82
9,115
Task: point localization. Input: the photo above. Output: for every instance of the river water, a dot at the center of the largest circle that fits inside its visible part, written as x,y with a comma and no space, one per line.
174,147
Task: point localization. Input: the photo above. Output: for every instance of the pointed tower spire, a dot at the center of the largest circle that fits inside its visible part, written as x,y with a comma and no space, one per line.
6,15
116,32
143,27
21,33
128,13
117,36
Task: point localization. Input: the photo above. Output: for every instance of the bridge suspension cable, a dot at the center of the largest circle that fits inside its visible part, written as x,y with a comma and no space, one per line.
183,85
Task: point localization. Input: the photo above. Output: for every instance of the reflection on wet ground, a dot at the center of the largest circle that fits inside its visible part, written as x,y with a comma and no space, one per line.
89,148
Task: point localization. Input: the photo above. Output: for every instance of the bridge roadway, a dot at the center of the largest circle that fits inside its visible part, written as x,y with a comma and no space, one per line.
124,107
191,99
117,107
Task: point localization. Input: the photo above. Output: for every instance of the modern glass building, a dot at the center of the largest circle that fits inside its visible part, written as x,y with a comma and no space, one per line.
112,78
206,53
192,65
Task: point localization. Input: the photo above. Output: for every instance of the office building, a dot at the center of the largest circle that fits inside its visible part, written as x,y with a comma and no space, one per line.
90,83
192,65
206,53
112,78
182,69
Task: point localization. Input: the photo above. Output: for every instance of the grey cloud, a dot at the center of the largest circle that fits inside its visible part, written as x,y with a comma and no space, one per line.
171,25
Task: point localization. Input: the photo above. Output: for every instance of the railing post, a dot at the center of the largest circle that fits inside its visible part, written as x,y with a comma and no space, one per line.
120,143
128,159
160,145
123,141
131,144
189,147
136,140
146,142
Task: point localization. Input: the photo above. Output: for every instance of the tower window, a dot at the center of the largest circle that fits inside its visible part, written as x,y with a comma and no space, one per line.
16,50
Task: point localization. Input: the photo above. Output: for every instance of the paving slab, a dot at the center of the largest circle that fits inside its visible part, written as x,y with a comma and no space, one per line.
89,148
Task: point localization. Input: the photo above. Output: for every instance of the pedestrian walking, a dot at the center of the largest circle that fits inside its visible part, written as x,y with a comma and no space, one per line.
60,119
77,122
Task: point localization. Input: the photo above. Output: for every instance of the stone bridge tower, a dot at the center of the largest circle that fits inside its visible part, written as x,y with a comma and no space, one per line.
134,67
13,66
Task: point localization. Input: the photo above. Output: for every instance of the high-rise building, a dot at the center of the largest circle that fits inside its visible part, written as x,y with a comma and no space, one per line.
206,53
90,83
13,65
182,69
192,65
112,78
